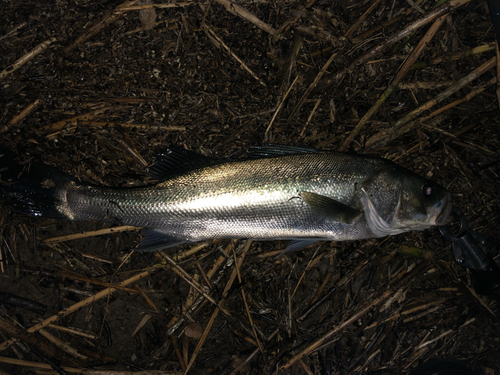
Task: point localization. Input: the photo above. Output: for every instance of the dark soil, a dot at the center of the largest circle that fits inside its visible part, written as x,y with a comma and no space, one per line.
103,105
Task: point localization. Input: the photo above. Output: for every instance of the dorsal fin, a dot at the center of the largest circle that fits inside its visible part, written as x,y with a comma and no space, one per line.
270,150
174,161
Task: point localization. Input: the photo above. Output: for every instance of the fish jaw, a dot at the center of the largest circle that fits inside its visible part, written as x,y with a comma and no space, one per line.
441,216
437,215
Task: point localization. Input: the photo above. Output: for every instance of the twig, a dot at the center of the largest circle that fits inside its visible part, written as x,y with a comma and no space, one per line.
132,151
82,371
289,22
217,41
73,331
312,85
427,343
318,102
238,10
243,363
298,41
13,31
438,12
77,306
455,56
210,323
151,6
100,232
312,262
123,100
405,124
196,285
20,117
477,90
74,120
424,85
279,107
237,266
62,345
19,334
24,59
71,275
338,329
108,18
113,124
146,298
360,20
497,52
395,82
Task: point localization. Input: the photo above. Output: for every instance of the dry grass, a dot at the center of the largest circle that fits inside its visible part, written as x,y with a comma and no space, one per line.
96,88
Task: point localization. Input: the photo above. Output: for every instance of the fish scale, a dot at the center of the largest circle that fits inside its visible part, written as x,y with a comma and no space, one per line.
292,195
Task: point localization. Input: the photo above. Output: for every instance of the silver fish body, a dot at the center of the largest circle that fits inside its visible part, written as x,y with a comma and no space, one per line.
299,196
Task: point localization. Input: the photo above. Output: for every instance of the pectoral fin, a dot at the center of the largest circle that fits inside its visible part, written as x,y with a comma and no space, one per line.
331,208
298,244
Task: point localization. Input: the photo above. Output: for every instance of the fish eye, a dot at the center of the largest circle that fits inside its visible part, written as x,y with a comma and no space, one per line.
427,190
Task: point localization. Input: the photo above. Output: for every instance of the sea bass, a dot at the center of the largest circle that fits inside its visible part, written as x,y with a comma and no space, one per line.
279,192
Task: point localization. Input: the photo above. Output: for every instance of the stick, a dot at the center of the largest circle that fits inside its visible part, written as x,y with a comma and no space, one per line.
108,18
477,90
219,42
356,24
395,82
338,329
20,117
196,285
229,284
20,362
77,306
24,59
312,85
151,6
100,232
20,334
237,266
74,120
318,102
289,22
238,10
406,123
279,107
438,12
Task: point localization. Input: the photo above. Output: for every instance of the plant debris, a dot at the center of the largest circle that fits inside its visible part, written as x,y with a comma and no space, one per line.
97,88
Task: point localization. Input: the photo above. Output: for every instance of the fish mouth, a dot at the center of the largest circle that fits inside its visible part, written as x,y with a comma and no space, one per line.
442,218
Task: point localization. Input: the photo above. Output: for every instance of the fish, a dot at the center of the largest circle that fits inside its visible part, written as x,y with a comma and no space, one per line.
275,193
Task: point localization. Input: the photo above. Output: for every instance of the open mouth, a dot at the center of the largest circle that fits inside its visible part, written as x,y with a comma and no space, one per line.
445,212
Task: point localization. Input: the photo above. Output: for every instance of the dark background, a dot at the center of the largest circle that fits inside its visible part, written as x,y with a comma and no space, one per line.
175,84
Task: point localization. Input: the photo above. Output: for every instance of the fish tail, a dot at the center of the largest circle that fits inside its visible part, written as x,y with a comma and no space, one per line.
34,189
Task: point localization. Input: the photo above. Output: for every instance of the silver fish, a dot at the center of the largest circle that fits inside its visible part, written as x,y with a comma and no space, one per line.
279,192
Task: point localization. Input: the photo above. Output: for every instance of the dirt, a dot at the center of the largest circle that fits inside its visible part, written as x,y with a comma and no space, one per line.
101,106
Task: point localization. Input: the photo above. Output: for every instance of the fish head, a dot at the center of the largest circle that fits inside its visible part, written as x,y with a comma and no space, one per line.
396,200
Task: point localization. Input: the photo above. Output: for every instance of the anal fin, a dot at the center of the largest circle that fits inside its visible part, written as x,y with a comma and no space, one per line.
157,240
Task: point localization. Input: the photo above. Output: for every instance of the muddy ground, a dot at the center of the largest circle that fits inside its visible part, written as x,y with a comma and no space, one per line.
97,88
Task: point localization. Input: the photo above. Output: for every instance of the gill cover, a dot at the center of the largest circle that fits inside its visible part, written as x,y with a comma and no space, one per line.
396,200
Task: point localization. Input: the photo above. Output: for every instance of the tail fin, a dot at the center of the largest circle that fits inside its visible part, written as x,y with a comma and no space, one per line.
34,189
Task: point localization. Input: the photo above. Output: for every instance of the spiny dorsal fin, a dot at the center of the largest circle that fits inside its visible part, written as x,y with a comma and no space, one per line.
270,150
174,161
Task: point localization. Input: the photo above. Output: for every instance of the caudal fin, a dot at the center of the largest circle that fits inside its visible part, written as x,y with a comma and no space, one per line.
34,189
